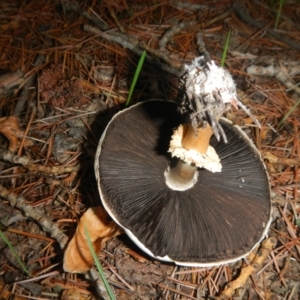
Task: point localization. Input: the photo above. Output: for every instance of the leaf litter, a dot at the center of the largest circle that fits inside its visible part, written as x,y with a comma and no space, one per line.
81,58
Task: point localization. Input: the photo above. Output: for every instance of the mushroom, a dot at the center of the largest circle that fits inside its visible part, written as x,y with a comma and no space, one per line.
193,217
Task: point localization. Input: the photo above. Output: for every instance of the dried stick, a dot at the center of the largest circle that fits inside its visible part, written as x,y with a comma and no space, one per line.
48,226
135,46
202,47
171,32
190,6
74,7
113,15
242,12
34,213
260,257
274,11
26,88
94,277
27,163
162,55
282,73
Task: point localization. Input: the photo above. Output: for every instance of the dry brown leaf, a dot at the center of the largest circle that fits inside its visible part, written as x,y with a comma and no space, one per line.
273,159
78,257
10,128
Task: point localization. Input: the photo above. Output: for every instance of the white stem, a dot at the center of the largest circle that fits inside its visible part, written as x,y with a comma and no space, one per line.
182,176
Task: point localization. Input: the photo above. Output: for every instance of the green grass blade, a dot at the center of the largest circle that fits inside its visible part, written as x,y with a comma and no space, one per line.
225,49
99,267
136,76
288,114
12,249
278,13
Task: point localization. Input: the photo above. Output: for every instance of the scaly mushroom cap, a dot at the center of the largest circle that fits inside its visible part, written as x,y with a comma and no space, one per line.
218,220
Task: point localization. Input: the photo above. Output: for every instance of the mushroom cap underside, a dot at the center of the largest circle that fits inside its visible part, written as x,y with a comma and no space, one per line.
219,220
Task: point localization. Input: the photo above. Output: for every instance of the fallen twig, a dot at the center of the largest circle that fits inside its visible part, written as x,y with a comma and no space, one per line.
135,46
260,257
27,163
282,73
27,86
35,214
242,12
74,7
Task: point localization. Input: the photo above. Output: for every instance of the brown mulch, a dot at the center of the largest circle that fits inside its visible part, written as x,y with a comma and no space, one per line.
66,69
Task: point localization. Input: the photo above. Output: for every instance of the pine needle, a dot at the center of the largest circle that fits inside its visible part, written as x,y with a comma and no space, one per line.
288,114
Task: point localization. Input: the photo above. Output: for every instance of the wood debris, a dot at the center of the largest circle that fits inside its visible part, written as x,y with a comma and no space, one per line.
66,69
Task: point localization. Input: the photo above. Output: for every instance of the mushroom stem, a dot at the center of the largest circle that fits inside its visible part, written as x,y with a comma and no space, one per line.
197,139
181,176
192,149
192,146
